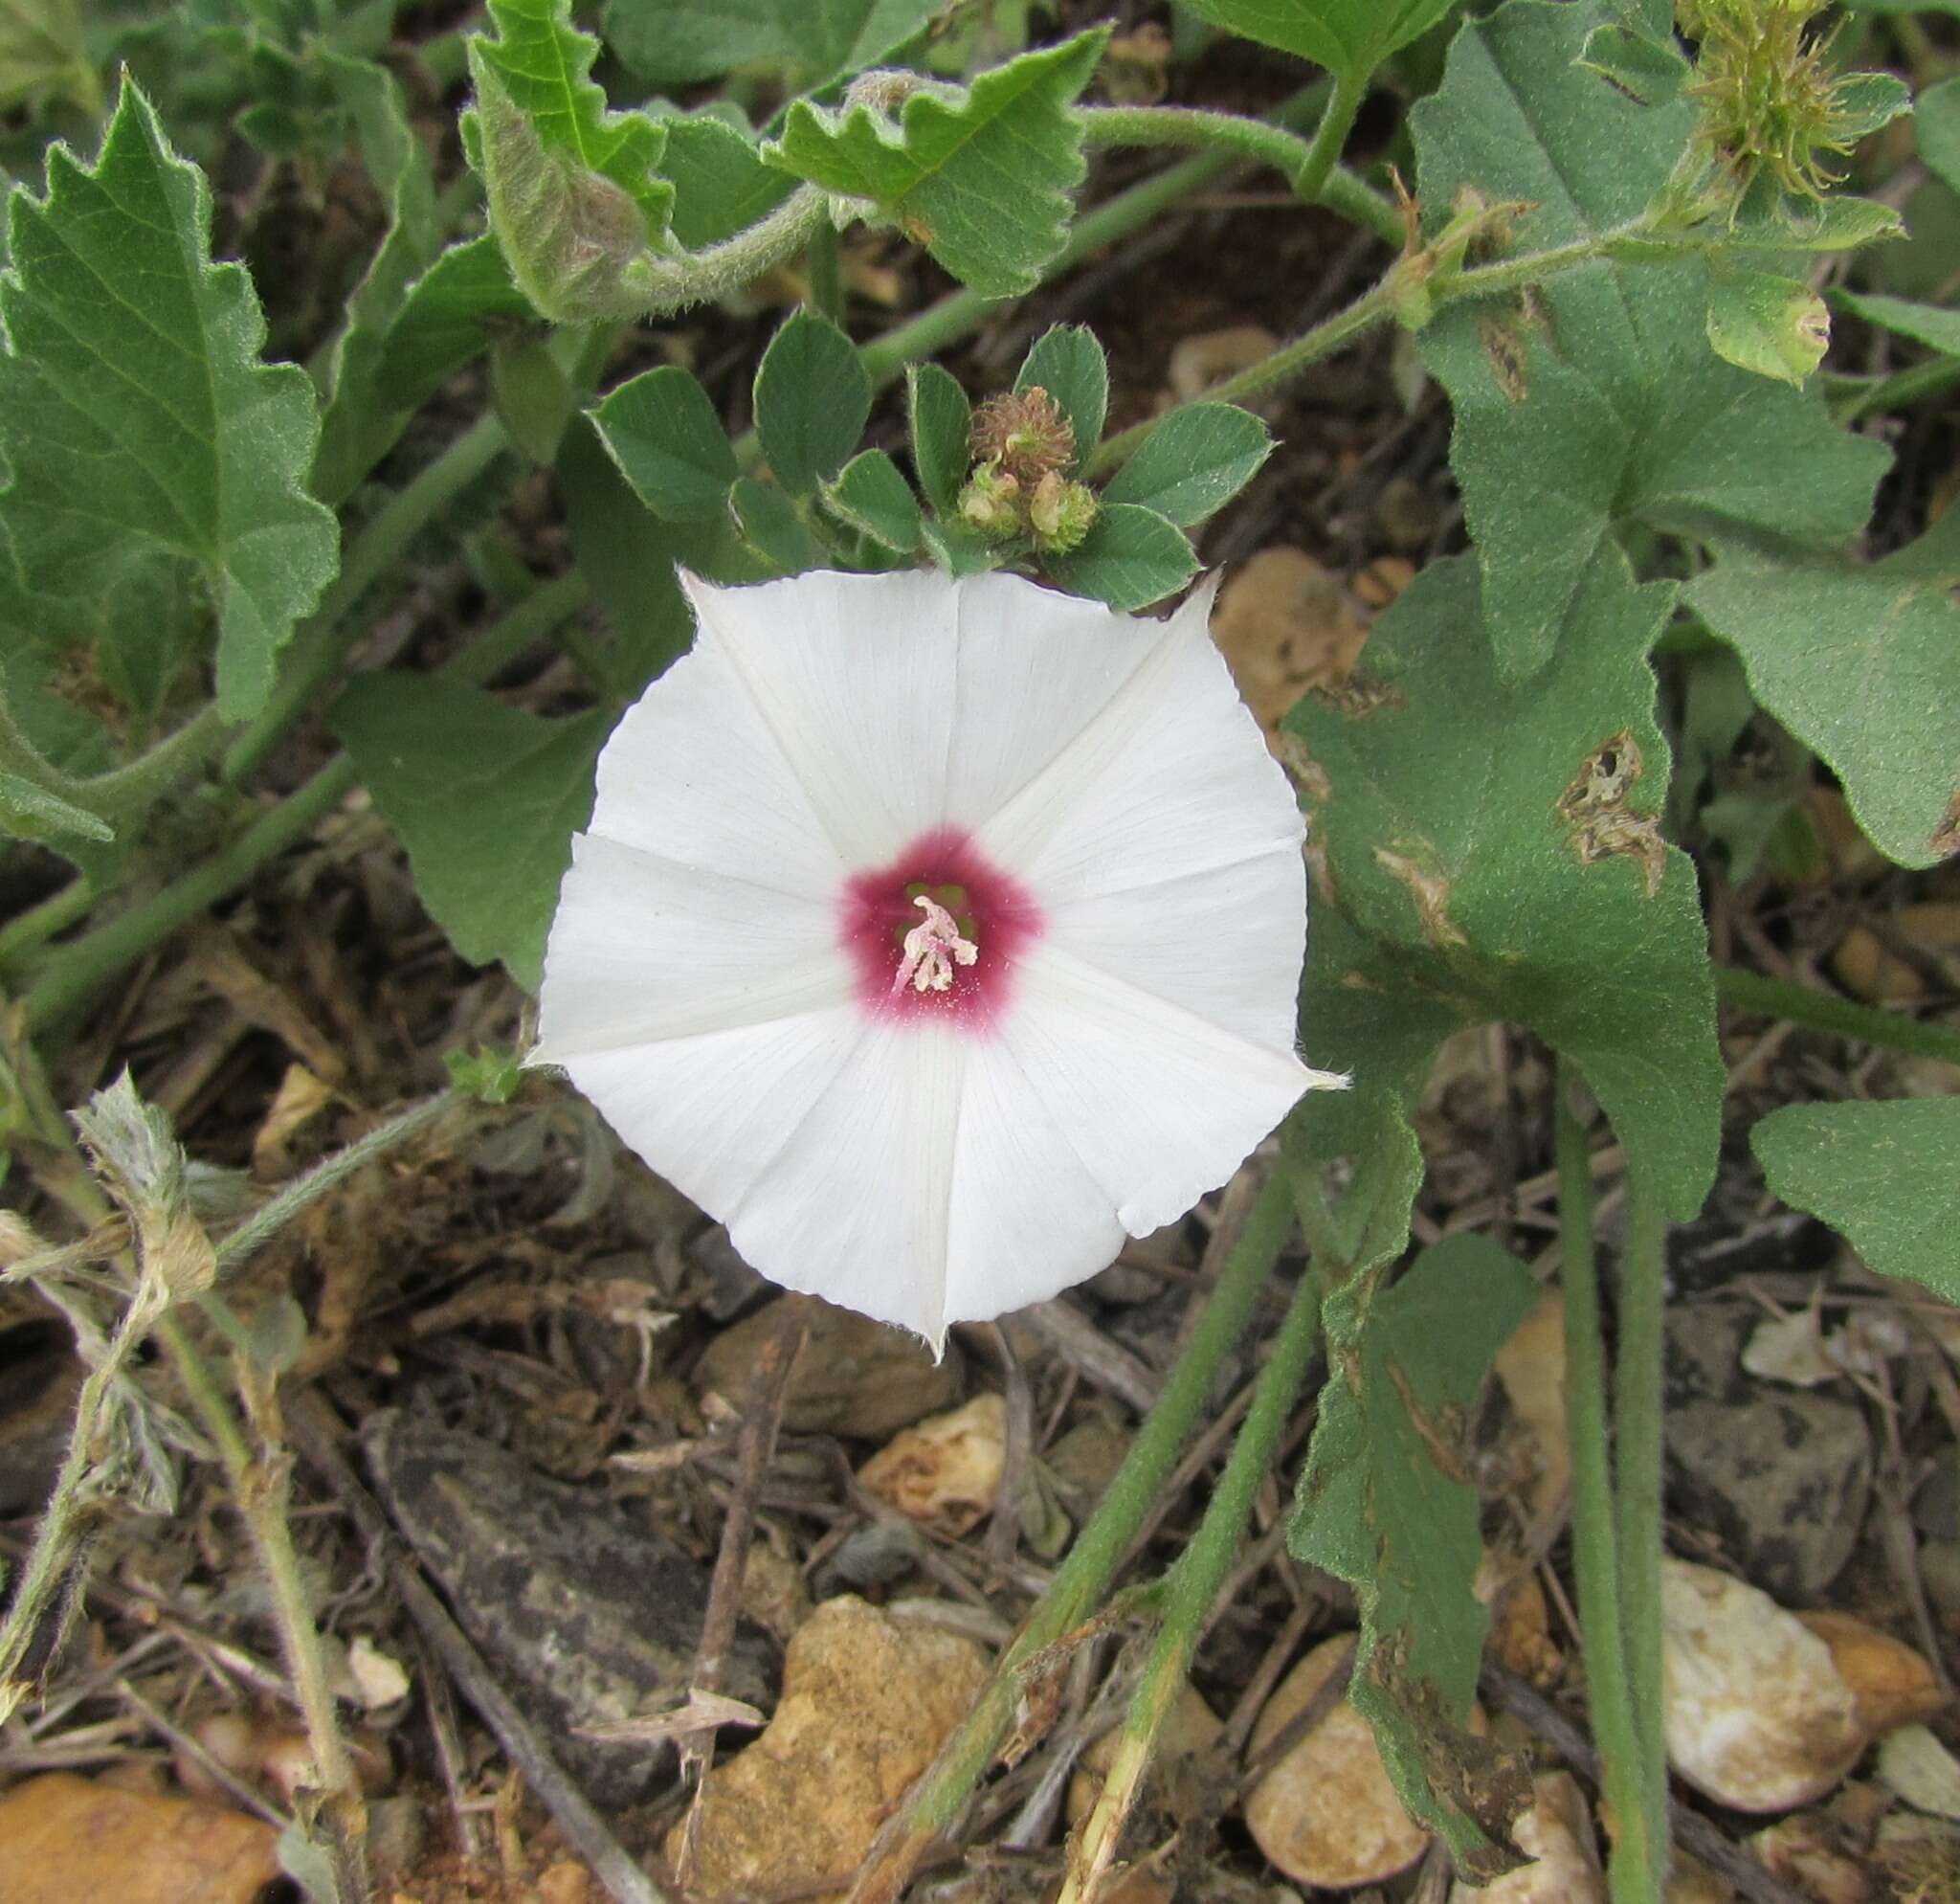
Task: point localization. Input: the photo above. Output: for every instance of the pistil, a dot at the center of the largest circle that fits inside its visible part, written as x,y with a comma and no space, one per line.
931,949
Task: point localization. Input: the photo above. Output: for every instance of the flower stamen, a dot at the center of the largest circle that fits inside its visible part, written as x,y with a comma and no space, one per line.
932,951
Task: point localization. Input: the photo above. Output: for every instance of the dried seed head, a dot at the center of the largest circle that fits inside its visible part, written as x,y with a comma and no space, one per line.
1025,433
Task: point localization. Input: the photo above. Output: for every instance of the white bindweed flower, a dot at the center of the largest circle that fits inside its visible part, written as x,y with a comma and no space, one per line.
933,934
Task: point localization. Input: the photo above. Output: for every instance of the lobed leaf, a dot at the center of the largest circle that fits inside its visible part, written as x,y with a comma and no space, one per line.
1348,37
1494,851
1194,463
1882,1174
138,423
982,176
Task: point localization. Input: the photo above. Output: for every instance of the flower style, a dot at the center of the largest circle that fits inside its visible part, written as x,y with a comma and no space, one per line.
934,933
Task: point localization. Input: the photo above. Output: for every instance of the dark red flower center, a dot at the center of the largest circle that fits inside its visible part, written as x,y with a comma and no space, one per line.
887,930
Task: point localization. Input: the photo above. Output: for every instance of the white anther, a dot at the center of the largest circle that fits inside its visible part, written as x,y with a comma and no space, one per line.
932,949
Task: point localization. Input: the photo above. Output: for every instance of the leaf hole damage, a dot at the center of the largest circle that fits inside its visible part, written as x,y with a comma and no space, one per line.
1602,825
1505,350
1360,695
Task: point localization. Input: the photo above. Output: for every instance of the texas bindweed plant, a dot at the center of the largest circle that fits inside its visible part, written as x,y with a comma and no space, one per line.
940,915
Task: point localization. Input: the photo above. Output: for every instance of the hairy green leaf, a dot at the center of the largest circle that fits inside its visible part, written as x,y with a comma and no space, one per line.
1648,71
1772,326
1067,362
447,320
33,812
1934,325
1495,852
1386,1503
813,397
661,428
1600,404
1130,558
44,54
722,184
137,421
809,42
1881,1174
1862,664
871,494
1936,130
484,797
1350,37
1194,463
942,425
576,196
982,176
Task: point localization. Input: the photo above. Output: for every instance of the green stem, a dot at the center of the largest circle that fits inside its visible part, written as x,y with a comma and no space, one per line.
1825,1011
323,643
826,278
723,269
90,962
1330,136
1083,1579
1635,1869
1194,1583
35,926
1258,140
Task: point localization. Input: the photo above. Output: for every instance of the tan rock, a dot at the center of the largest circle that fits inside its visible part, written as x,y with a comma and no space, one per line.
1197,363
1531,1366
1865,964
855,1376
946,1472
1691,1883
1808,1852
1892,1684
867,1700
1757,1715
1083,1462
1557,1834
1189,1732
1284,625
1327,1814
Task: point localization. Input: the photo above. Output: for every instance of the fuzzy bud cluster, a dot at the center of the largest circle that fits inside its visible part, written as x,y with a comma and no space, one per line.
1020,487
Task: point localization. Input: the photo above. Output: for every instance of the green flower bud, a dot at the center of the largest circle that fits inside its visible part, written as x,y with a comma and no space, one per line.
1061,513
990,503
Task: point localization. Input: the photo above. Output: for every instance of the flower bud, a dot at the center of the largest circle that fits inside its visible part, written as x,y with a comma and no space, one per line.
1061,513
990,503
1025,433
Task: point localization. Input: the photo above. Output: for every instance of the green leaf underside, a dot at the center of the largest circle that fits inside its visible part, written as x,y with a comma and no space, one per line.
1603,405
661,430
1769,325
871,494
1384,1503
942,425
812,43
1194,463
982,177
1862,664
1494,852
813,397
1130,558
1347,36
721,184
139,428
446,321
1881,1175
576,196
484,797
1649,71
1067,362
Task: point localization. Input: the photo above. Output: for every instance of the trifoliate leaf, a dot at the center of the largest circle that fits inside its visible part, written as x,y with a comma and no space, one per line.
1882,1174
1130,558
662,429
942,425
721,185
485,799
982,176
1861,663
1067,362
137,421
871,494
1771,326
679,42
1386,1503
577,198
1194,463
1598,404
813,396
1497,853
1350,37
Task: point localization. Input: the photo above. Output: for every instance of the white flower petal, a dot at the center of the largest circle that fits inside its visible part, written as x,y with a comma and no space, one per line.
643,949
852,678
692,772
1225,944
1171,778
1160,1105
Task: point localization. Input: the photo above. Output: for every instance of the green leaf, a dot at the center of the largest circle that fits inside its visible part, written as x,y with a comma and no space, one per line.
1194,461
1068,363
679,42
1934,325
1861,663
982,176
44,54
1648,71
1771,326
661,430
1349,37
721,185
1384,1504
941,425
32,813
1599,405
446,321
872,495
812,399
1132,557
958,550
1495,852
1882,1175
485,799
772,531
577,198
1936,130
137,421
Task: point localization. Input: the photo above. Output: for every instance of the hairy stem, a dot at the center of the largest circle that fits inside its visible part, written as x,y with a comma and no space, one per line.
1082,1581
1330,135
1825,1011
